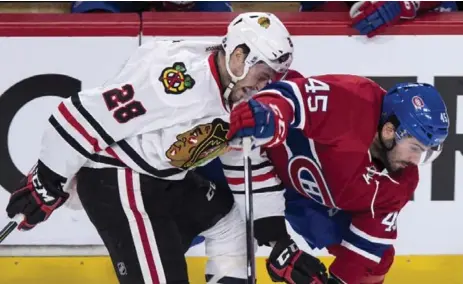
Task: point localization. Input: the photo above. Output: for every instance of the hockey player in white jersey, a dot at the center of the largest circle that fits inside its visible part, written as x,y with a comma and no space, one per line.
132,143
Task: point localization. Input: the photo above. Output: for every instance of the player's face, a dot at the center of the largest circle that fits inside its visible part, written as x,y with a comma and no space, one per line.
407,151
258,77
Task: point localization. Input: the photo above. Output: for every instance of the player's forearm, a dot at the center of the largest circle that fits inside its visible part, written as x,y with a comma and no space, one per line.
76,130
269,219
269,210
268,194
60,152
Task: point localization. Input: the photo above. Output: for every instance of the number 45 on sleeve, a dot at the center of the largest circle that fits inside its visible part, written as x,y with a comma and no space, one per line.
320,90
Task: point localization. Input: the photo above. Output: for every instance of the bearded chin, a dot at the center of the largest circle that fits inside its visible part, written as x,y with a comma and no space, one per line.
384,154
385,157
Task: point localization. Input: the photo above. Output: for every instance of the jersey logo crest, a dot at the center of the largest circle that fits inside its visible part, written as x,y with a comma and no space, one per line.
175,79
264,22
307,178
199,144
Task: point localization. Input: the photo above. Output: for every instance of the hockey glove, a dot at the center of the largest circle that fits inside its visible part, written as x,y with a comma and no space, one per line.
287,263
36,198
258,120
373,17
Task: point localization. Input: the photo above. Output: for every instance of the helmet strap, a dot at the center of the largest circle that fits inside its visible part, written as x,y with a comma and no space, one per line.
227,92
233,78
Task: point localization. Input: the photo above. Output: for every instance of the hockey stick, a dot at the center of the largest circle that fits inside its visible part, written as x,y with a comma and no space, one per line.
248,205
6,231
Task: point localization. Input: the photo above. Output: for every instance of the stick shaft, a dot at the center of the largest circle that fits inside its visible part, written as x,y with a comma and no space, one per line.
6,231
249,212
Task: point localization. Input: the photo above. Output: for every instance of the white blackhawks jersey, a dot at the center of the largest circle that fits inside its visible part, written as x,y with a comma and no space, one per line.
162,115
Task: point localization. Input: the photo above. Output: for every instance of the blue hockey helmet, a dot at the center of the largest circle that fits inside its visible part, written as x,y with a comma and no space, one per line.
417,110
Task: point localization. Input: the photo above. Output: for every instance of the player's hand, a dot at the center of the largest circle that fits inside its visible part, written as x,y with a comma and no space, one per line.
373,17
36,199
287,263
262,122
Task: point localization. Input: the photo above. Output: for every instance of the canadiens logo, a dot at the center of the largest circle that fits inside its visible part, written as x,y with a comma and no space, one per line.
264,22
417,102
175,79
199,144
307,178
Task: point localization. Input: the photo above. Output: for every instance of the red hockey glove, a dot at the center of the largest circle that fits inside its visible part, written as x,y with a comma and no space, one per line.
371,18
263,122
36,198
287,263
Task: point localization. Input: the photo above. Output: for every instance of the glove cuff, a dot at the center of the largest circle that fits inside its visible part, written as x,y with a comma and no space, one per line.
270,229
281,245
52,181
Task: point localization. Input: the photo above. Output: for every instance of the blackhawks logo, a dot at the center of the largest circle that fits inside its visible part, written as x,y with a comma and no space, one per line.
175,79
264,22
199,144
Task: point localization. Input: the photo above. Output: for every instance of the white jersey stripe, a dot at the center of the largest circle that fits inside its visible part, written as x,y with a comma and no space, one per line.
140,227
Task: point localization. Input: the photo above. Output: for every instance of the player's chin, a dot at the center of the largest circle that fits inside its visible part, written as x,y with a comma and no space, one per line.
237,95
397,166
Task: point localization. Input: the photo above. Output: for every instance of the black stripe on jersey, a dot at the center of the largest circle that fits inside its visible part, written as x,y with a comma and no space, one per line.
253,167
107,160
133,155
68,138
78,105
74,144
143,164
274,188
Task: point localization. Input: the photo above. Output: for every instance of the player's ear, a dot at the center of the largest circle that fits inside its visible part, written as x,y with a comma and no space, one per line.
388,131
237,61
238,56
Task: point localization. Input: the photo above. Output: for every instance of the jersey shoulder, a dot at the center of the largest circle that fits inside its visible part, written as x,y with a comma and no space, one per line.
171,73
184,72
351,83
349,86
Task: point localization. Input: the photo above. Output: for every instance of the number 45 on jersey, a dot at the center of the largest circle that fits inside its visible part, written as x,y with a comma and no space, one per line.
320,90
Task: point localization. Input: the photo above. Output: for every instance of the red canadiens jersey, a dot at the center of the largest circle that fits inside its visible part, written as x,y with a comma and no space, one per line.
325,157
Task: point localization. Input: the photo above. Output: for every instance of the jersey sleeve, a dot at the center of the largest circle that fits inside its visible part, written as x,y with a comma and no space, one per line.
87,123
372,233
268,193
327,107
365,246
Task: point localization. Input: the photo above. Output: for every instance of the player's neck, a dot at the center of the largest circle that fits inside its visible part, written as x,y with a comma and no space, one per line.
224,77
376,148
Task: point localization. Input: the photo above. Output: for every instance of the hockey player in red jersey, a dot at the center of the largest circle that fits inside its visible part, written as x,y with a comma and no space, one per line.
351,149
